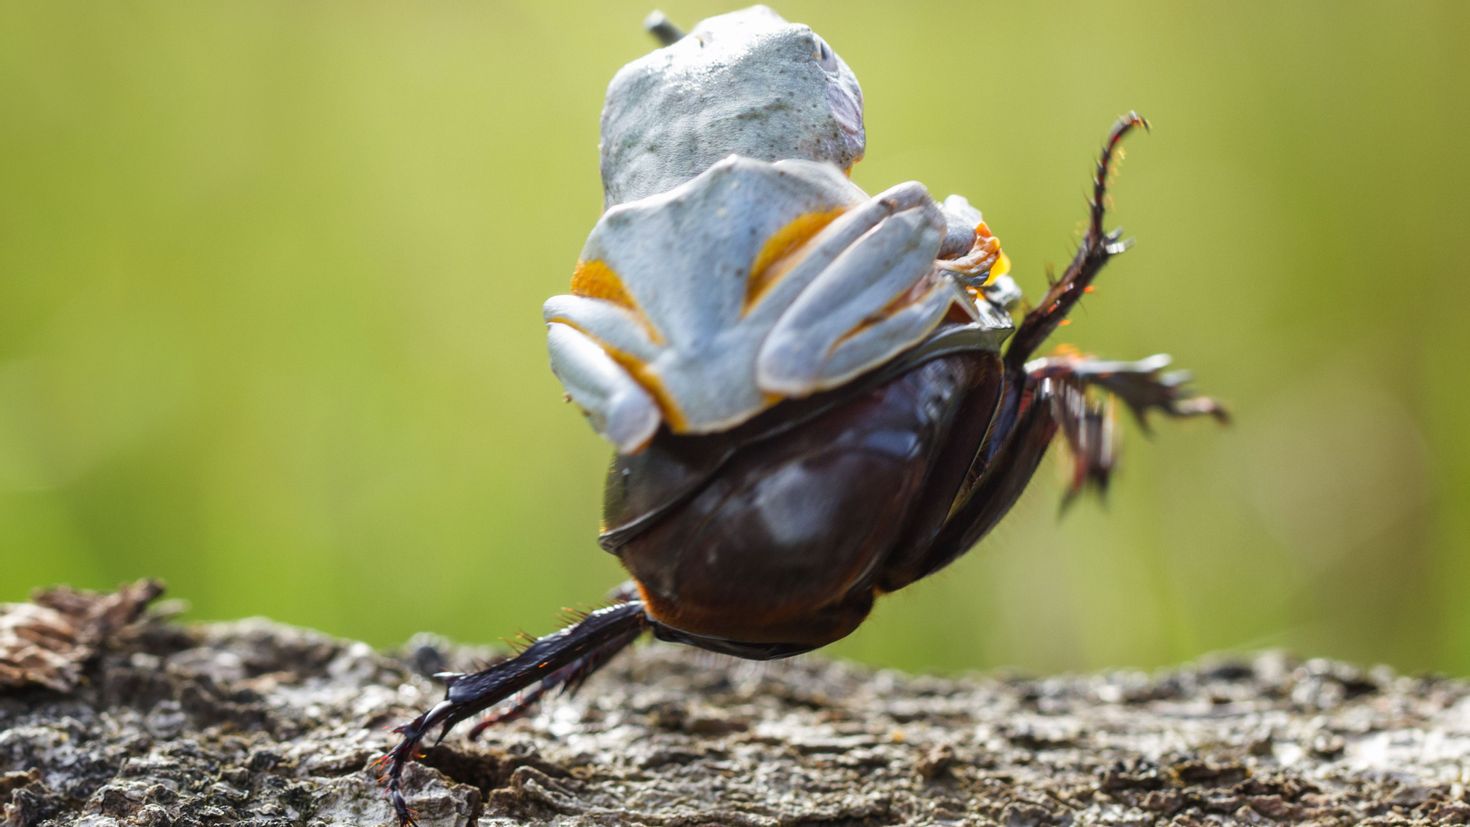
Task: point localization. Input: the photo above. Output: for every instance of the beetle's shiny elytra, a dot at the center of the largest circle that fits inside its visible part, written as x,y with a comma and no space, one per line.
809,390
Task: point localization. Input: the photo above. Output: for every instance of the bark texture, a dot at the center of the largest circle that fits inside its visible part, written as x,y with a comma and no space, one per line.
255,723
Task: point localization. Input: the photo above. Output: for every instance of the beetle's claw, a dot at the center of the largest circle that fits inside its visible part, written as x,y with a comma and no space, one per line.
396,759
1152,390
1186,405
407,816
565,658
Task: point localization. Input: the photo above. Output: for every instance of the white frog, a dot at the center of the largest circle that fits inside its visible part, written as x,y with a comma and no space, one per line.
737,265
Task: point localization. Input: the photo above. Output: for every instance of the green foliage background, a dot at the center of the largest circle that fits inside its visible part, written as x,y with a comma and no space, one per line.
270,278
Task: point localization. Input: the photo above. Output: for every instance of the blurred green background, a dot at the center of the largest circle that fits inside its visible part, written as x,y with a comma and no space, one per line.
271,272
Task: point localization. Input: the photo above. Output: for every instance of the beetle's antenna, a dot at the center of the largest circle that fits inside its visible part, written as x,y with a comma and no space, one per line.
1097,247
660,26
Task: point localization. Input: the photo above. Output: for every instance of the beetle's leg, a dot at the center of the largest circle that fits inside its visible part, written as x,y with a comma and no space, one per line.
591,643
1051,395
569,678
1143,385
1097,247
1087,420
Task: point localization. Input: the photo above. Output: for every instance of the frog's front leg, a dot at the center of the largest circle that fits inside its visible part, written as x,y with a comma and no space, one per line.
970,250
620,408
869,287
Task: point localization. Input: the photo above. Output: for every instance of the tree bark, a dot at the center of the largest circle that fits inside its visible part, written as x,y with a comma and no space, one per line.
256,723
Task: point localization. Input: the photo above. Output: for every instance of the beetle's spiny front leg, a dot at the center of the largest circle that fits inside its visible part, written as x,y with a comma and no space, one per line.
1097,247
1143,385
563,658
1087,420
1048,396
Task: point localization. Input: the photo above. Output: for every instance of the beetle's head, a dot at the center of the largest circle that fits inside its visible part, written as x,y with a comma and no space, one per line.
746,83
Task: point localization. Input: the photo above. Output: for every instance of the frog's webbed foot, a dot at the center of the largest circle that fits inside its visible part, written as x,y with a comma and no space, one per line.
565,658
1087,419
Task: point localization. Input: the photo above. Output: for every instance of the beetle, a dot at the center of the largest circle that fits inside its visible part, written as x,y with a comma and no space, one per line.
815,396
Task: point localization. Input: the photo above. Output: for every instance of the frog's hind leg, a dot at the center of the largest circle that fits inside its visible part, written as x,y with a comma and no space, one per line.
564,658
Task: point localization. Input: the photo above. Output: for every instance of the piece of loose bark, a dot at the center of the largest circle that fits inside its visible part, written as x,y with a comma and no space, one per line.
47,642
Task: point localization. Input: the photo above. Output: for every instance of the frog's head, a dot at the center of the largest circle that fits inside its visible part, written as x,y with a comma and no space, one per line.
746,83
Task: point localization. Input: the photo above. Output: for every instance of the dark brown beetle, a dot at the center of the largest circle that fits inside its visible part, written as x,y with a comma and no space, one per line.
774,537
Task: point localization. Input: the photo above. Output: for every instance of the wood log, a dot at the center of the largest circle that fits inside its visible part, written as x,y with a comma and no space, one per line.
257,723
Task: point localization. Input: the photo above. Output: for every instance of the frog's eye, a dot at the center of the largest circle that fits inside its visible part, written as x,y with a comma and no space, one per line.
826,58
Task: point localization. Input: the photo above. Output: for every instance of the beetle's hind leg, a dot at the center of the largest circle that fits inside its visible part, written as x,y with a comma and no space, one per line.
565,658
568,679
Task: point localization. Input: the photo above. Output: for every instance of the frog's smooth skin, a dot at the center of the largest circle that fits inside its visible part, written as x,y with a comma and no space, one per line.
736,264
746,83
